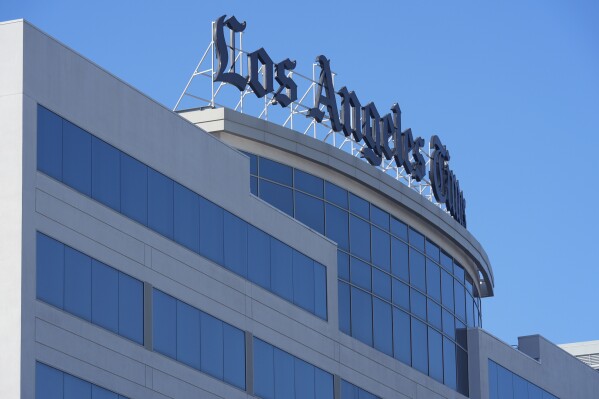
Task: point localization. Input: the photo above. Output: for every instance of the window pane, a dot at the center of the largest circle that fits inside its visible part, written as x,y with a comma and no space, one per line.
448,324
77,283
419,346
505,383
337,227
77,158
433,313
458,271
106,174
48,382
359,206
303,281
462,371
281,269
432,251
336,195
433,280
49,143
304,380
435,355
160,203
323,382
131,308
417,270
134,189
76,388
379,217
469,311
101,393
359,237
399,229
258,257
235,244
50,270
348,391
401,294
418,302
320,290
381,284
449,375
186,217
447,290
188,335
284,372
275,171
446,262
399,259
416,239
105,296
309,183
401,336
253,163
344,308
211,231
280,197
383,330
361,316
254,185
212,345
164,320
381,249
234,356
520,388
460,300
263,370
343,265
310,211
360,273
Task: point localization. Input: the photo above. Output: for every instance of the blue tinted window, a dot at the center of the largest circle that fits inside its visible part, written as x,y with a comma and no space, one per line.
381,249
310,211
418,303
462,371
131,319
417,270
359,206
254,185
399,229
235,244
447,290
448,323
449,372
50,270
379,217
106,174
281,257
460,300
435,355
343,265
49,143
401,336
361,316
304,380
48,382
212,345
76,388
211,231
284,374
433,280
433,313
280,197
101,393
188,335
51,383
303,281
275,171
164,322
399,259
309,183
505,385
253,163
360,273
344,307
521,388
134,189
77,283
234,356
258,257
458,271
105,296
432,251
336,194
401,294
323,383
320,290
337,226
446,262
381,284
359,237
77,158
419,346
416,239
263,370
160,203
383,340
186,217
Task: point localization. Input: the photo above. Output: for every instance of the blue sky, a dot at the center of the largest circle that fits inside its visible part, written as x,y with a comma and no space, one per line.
511,87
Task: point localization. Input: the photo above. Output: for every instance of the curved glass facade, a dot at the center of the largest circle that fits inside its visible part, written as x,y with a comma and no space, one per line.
398,291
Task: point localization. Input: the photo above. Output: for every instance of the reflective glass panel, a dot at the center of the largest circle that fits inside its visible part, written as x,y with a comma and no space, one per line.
264,385
383,339
234,355
186,217
49,143
379,217
401,336
320,290
343,265
309,183
433,313
399,259
106,174
211,231
77,283
258,257
435,355
76,388
360,273
284,374
419,346
310,211
401,294
433,280
381,284
211,347
188,335
460,300
381,249
105,296
417,270
418,303
134,189
361,316
235,244
50,270
416,239
449,362
432,251
447,290
77,158
131,319
275,171
359,237
399,229
160,203
336,195
337,227
281,256
359,206
344,307
164,323
279,196
304,380
48,382
303,281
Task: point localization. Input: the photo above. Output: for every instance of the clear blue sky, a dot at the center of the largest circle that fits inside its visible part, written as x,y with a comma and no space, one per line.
511,87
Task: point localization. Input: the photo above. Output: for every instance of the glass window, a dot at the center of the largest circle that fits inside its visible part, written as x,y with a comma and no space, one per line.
433,280
462,371
280,197
309,183
303,281
361,316
418,302
401,336
383,340
310,211
359,206
448,323
211,337
164,322
284,374
447,290
48,382
160,203
337,226
419,346
399,229
417,270
131,308
105,296
49,143
101,393
359,237
401,294
275,171
263,370
534,392
134,189
458,271
50,270
77,283
282,269
433,313
344,307
493,380
188,335
320,290
460,300
416,239
323,382
343,265
505,384
469,310
253,163
432,251
446,262
106,174
520,387
76,388
435,355
211,231
77,158
381,284
236,244
379,217
449,374
348,391
186,217
336,195
360,273
399,259
234,355
304,379
258,257
254,185
381,249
